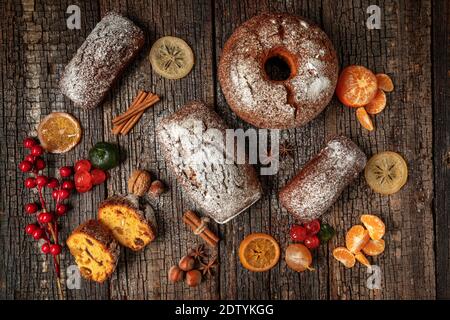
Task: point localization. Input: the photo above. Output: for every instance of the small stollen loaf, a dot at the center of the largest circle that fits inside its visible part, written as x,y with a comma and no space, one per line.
192,141
320,182
95,250
100,60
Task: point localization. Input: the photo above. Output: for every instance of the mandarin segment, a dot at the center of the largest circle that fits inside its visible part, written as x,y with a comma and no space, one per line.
356,86
377,104
364,118
344,256
362,259
374,247
385,82
356,238
259,252
374,225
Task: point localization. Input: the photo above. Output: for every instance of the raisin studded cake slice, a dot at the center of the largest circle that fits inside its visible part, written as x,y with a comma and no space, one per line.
127,222
95,250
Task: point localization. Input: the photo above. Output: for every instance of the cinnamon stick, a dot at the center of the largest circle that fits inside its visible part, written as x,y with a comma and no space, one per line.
135,118
149,100
139,98
191,219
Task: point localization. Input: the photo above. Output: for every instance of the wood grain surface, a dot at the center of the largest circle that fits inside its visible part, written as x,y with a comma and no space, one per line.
411,46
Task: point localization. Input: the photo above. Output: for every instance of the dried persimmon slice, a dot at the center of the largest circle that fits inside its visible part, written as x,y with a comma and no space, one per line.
356,86
59,132
259,252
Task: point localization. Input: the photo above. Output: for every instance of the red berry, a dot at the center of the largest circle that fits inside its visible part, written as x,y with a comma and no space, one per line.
45,248
68,184
37,150
98,176
39,164
25,166
83,181
61,209
55,194
63,194
55,249
38,233
30,183
41,181
45,217
313,227
29,229
53,183
83,165
298,233
29,143
31,208
30,158
312,242
65,172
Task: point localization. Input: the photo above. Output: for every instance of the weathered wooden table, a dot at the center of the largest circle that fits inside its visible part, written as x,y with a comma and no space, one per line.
412,46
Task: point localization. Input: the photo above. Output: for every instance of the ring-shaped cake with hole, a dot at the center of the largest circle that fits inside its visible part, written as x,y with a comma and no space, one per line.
278,71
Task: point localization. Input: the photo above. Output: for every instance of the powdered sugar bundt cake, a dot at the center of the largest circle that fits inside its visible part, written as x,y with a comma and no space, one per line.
262,98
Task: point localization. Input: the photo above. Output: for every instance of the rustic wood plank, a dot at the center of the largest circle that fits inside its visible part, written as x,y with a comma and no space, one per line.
266,215
441,143
143,275
401,49
37,46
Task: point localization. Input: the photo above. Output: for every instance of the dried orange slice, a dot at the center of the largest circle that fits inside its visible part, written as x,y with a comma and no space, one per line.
356,238
386,172
374,225
385,82
362,259
59,132
374,247
356,86
344,256
259,252
364,118
377,104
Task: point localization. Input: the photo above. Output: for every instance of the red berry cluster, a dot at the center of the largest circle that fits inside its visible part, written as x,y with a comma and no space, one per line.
306,233
46,226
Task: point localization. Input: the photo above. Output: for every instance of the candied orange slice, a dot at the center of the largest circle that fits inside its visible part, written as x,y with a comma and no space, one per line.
364,118
362,259
356,86
374,247
356,238
344,256
377,104
59,132
385,82
259,252
374,225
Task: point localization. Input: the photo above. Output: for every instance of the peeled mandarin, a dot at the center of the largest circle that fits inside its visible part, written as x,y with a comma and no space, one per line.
364,119
344,256
356,238
374,225
356,86
377,104
384,82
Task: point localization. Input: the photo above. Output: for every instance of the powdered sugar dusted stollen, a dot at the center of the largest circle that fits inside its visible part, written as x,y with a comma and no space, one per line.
317,186
99,61
193,142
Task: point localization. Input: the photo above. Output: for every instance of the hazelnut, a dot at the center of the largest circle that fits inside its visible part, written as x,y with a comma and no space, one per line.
175,274
139,182
186,263
193,278
156,189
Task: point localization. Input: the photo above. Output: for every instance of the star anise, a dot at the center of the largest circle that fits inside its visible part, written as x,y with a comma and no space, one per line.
206,268
286,150
198,253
